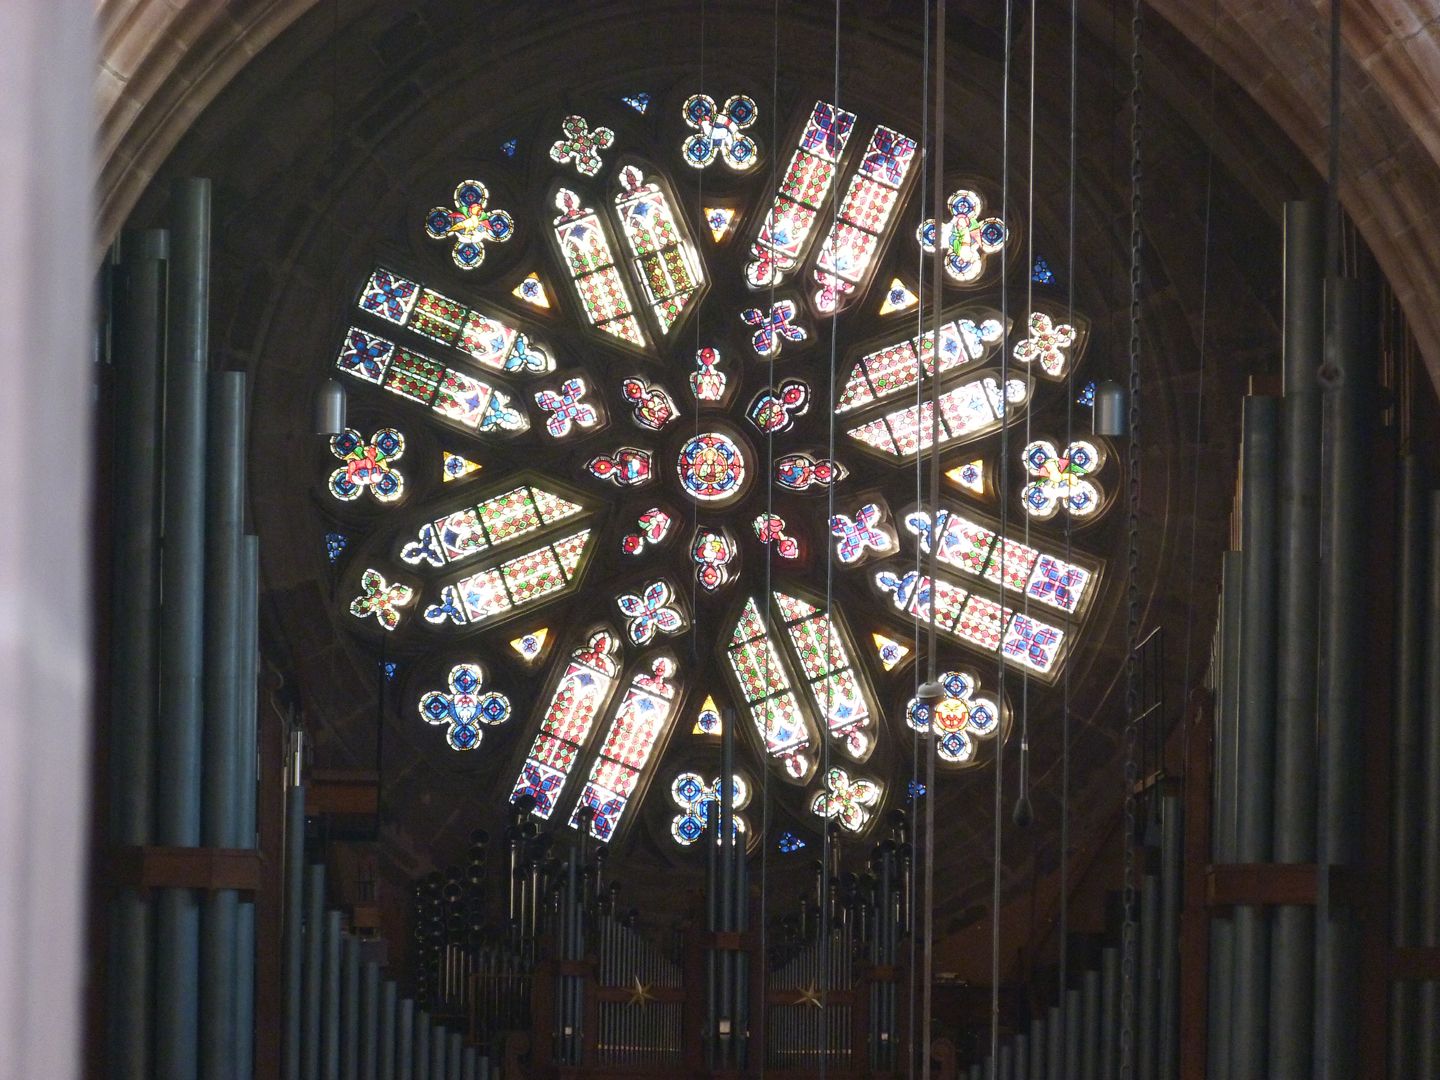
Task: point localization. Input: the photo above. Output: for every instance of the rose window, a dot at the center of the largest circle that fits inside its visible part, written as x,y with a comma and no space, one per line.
638,407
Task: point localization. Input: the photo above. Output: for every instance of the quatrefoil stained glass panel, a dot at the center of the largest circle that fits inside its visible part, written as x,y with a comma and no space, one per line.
679,371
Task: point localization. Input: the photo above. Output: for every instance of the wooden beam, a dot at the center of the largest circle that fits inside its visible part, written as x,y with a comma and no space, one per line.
342,791
1420,963
208,869
1261,884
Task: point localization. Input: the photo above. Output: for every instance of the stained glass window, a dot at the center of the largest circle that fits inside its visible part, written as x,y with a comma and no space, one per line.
766,690
484,337
786,232
974,619
475,528
579,696
849,800
661,251
637,726
959,718
894,368
673,473
972,409
863,218
700,803
588,256
970,545
830,676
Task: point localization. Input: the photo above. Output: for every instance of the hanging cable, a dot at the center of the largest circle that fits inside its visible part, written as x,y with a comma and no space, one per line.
1204,343
1064,929
916,739
931,691
1132,571
1023,813
997,862
769,506
825,740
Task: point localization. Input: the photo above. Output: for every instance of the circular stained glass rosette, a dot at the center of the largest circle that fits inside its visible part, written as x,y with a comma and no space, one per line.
711,467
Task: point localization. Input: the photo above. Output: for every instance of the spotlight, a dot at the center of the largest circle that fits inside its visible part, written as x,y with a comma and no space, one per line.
330,408
1112,409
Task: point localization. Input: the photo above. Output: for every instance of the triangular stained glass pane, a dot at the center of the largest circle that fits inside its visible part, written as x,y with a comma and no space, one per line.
453,466
898,297
707,720
890,651
532,291
531,645
719,218
970,476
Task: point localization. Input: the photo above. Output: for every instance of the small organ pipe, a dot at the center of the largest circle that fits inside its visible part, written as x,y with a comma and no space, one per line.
314,971
330,1017
388,1020
405,1042
350,1009
1407,751
422,1045
370,1021
1256,727
1090,1026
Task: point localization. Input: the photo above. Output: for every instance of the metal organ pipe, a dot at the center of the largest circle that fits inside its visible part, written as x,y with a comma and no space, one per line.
1223,820
139,316
178,733
225,519
1292,992
350,1008
1255,728
1407,749
1429,928
247,783
1172,840
1348,371
314,971
330,1015
385,1050
405,1042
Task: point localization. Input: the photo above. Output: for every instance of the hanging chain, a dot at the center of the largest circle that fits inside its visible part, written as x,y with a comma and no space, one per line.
1132,575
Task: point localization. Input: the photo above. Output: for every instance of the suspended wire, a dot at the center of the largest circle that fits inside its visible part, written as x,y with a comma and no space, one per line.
1064,930
1204,337
932,659
695,431
1004,492
1132,568
825,737
916,739
1022,799
769,508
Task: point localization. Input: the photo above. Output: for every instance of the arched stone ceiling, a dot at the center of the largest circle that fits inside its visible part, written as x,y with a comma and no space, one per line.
164,61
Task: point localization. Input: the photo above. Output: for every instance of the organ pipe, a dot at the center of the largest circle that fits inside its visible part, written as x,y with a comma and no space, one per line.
177,807
139,315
